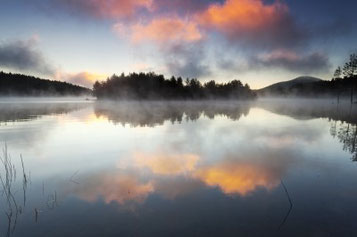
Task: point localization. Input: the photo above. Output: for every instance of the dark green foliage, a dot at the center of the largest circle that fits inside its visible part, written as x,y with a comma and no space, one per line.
150,86
23,85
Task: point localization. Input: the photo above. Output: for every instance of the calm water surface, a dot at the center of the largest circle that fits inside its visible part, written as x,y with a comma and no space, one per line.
268,168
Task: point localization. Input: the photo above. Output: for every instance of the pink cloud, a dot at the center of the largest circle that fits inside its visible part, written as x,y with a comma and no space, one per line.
161,30
189,21
251,21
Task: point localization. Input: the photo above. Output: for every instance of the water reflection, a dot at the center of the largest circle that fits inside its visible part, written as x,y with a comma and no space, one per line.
119,186
238,178
13,208
16,112
138,114
343,117
166,164
174,175
310,109
156,113
222,169
346,133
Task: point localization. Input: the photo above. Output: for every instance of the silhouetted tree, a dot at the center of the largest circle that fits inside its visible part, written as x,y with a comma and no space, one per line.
350,67
337,73
150,86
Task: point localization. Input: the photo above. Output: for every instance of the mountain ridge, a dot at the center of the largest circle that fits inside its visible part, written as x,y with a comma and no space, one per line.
283,86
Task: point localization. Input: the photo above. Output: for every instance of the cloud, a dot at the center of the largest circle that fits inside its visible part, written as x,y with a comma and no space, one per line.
119,186
182,30
252,22
86,79
187,60
241,179
290,60
117,9
166,164
179,41
162,30
181,7
247,25
242,14
24,55
283,59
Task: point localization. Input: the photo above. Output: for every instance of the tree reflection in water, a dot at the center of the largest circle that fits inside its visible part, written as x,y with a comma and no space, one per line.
346,133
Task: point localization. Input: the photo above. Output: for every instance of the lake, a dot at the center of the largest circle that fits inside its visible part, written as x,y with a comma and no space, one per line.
214,168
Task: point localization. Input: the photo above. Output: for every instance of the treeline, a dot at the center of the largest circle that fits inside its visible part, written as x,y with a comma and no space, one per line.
345,79
23,85
150,86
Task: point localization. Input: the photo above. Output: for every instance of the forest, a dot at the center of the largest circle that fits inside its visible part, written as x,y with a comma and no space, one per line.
23,85
150,86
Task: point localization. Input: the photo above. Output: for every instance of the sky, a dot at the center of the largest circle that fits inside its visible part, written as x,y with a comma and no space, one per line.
259,42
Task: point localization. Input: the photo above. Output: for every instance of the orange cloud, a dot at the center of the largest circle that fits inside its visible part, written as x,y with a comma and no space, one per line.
162,30
241,15
167,164
237,178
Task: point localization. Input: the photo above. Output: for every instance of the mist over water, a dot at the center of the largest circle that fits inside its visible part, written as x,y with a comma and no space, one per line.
264,168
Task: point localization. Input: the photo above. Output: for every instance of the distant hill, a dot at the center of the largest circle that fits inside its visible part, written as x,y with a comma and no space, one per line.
23,85
312,87
286,87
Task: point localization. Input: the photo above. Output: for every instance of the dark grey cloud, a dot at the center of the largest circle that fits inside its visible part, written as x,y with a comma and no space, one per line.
315,62
123,10
182,7
186,60
292,61
23,55
282,33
